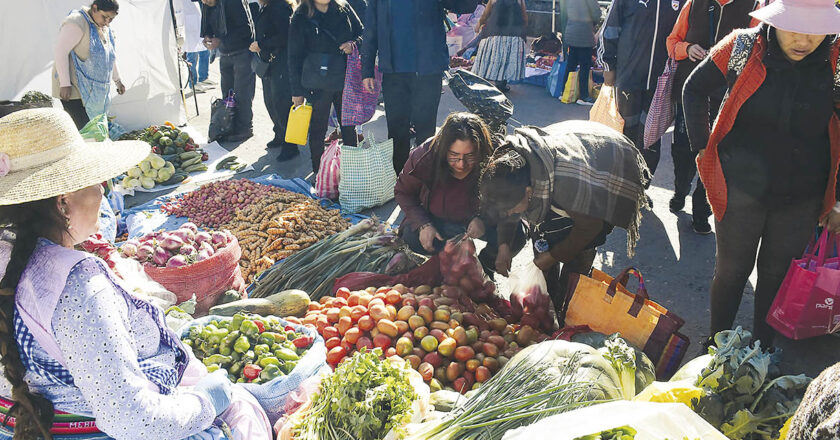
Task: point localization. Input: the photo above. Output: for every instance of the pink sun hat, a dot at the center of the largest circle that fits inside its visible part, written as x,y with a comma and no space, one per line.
815,17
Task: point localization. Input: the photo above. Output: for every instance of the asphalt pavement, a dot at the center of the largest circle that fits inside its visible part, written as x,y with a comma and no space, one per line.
677,264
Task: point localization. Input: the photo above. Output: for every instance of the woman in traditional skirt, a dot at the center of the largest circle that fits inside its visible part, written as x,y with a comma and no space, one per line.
501,43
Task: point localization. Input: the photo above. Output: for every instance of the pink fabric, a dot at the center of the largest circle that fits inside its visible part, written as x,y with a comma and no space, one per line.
68,37
5,164
329,172
357,105
661,113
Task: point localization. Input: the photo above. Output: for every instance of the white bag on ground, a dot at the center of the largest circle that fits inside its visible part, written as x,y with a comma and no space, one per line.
367,175
652,421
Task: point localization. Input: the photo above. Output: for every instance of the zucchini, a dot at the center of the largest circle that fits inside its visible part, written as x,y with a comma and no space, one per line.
286,303
189,162
196,167
189,155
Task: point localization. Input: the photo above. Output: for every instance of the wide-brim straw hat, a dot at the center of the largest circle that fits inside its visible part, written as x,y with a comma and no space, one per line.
42,155
814,17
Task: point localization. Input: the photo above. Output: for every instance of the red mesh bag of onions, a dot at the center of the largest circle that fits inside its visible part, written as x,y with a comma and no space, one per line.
190,262
460,267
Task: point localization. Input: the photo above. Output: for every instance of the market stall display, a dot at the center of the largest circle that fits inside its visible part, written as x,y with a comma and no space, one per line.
179,248
174,156
367,246
367,396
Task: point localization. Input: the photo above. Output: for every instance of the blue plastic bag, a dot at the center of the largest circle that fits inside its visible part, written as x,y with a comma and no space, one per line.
272,395
557,79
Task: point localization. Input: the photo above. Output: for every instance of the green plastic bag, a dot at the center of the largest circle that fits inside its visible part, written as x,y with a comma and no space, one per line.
96,129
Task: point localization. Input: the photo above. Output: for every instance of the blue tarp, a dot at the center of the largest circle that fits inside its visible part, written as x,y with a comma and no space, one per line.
148,217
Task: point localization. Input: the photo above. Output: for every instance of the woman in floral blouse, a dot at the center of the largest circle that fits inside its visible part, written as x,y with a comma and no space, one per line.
72,337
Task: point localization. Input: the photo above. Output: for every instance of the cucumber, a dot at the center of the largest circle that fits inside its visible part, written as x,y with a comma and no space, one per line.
196,167
189,155
190,162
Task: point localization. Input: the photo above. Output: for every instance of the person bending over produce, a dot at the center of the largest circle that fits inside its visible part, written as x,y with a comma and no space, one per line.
572,183
438,189
72,336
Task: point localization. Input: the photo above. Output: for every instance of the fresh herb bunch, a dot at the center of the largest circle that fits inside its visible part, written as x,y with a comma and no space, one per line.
364,399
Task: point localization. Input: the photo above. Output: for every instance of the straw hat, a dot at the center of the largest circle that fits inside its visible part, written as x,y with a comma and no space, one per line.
42,155
815,17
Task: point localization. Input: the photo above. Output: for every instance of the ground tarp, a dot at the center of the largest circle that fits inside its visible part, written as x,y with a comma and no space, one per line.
146,55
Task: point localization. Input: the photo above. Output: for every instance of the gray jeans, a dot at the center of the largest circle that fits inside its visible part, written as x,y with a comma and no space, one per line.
783,230
237,75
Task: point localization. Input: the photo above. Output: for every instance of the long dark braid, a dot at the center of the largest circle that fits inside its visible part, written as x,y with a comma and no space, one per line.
32,412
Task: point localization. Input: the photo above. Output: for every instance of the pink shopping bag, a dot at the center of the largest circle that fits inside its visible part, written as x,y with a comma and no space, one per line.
357,105
661,113
808,301
329,173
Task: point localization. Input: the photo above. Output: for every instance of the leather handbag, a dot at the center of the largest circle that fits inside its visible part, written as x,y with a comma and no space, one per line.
260,66
324,71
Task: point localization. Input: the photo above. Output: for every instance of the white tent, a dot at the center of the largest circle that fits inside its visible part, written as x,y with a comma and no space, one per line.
146,55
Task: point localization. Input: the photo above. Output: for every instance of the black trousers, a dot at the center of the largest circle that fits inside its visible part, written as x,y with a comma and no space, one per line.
579,56
322,102
410,99
487,256
277,94
238,75
557,280
633,105
76,109
685,169
783,230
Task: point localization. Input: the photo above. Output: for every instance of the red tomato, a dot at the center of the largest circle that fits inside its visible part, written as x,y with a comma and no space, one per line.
332,343
336,354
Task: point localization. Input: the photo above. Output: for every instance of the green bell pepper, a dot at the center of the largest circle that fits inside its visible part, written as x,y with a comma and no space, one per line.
269,360
249,328
261,349
270,372
241,345
286,354
217,359
288,367
236,321
212,367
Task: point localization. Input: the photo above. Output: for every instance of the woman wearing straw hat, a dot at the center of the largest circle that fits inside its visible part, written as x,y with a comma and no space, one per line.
72,337
770,161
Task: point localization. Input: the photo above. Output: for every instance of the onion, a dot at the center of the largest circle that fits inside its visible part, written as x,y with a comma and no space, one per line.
160,256
128,249
177,261
202,237
172,242
218,239
203,255
187,249
228,236
186,235
144,252
191,226
206,246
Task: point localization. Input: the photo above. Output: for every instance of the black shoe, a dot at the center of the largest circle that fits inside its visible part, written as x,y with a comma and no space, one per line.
238,137
701,226
276,143
676,204
649,202
288,153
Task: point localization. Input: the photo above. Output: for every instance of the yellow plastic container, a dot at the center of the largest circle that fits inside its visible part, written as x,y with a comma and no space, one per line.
297,127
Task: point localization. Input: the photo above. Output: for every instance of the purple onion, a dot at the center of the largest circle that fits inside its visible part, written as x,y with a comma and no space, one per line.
187,249
206,246
177,261
203,255
172,243
186,235
218,239
128,250
160,257
228,235
191,226
202,237
144,252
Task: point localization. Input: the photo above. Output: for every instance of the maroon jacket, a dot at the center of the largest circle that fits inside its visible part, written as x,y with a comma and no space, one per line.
421,199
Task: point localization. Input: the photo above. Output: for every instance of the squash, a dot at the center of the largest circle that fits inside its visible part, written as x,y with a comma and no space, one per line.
286,303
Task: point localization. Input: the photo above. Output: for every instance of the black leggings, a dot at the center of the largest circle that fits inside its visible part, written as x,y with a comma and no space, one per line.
76,109
322,102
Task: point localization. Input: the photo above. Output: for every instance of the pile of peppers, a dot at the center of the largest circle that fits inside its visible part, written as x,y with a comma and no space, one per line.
251,348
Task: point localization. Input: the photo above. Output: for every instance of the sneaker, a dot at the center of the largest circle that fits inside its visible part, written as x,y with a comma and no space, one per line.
586,101
209,82
701,226
676,204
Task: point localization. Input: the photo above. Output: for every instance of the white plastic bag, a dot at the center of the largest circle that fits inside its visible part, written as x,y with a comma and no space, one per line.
529,300
652,421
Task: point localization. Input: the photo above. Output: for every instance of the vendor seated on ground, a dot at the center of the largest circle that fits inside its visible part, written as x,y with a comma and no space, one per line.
72,336
438,190
571,183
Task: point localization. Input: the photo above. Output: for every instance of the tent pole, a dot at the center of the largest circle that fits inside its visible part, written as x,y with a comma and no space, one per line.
178,64
553,16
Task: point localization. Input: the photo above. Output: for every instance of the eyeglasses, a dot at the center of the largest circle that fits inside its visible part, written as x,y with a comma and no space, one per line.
468,159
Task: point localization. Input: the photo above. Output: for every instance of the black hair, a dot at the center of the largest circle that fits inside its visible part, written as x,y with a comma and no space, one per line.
460,126
106,5
33,413
503,182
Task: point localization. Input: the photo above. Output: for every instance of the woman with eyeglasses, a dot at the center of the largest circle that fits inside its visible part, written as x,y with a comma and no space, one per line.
572,183
438,189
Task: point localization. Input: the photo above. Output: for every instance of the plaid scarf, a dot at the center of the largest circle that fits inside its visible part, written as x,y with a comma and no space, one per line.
584,167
